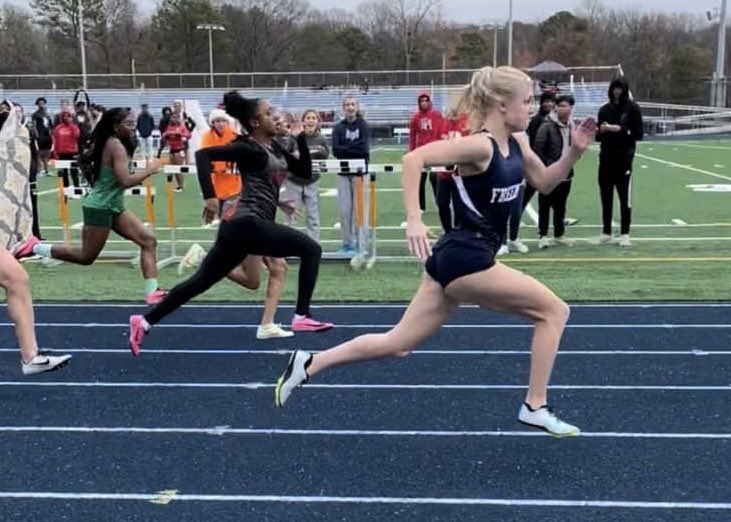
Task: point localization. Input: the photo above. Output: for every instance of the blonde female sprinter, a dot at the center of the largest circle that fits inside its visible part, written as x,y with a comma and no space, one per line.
492,164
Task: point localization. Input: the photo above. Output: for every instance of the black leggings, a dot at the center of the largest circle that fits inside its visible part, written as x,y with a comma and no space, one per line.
33,180
616,174
236,239
422,188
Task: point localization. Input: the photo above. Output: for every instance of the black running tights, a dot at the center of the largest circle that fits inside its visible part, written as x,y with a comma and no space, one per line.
237,239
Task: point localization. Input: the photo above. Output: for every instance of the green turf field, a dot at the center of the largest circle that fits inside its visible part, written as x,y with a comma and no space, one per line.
681,237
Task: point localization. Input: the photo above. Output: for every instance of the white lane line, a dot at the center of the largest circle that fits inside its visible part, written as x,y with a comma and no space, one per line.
321,499
686,167
608,326
234,351
227,430
371,306
261,385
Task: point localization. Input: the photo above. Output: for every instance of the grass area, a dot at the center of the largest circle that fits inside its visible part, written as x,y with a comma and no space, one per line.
667,262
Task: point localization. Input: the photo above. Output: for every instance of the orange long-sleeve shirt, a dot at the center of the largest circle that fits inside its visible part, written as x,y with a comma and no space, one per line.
226,182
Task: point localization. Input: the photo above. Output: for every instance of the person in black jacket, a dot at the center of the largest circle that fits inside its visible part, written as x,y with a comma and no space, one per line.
552,139
145,126
546,104
619,127
350,140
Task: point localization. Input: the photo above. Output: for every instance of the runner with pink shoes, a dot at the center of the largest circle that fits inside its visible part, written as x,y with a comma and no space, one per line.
249,227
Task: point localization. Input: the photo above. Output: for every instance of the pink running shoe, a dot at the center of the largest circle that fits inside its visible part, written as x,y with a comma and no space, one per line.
136,334
26,249
308,324
155,297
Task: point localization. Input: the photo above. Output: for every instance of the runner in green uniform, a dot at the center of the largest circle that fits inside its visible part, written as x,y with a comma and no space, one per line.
107,168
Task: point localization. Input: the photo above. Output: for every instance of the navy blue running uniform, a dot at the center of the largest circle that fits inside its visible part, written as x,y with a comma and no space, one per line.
481,205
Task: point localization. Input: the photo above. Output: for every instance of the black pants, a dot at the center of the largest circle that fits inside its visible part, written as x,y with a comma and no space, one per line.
236,239
422,188
445,191
616,174
527,195
64,173
512,227
556,200
33,182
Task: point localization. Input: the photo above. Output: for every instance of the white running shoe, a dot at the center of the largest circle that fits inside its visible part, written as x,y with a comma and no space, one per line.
603,239
44,362
295,375
503,251
563,240
192,258
624,241
544,242
544,419
518,246
272,331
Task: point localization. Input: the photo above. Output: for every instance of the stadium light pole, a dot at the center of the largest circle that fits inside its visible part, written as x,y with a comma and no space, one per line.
82,44
510,32
718,84
210,28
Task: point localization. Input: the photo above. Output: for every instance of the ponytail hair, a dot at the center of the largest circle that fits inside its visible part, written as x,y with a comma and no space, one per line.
488,88
243,109
90,155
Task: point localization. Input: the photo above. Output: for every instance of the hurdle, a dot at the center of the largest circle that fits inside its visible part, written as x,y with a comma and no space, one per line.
65,193
170,171
358,168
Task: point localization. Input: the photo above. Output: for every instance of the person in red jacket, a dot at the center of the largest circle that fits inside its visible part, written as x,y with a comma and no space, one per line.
176,137
66,145
425,127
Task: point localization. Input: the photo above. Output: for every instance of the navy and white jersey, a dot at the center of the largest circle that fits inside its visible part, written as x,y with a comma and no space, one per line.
482,202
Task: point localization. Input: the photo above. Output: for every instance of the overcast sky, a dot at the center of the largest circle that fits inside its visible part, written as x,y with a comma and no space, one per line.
481,11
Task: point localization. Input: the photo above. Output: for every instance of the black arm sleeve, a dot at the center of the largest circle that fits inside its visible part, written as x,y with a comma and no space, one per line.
246,155
300,167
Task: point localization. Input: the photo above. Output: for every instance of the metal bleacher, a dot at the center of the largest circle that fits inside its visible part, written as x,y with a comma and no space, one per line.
385,106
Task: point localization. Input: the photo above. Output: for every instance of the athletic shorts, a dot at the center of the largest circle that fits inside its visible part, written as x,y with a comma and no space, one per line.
226,204
459,253
96,217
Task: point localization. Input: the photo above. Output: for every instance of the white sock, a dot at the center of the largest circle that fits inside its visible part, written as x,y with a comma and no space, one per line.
42,249
146,325
298,317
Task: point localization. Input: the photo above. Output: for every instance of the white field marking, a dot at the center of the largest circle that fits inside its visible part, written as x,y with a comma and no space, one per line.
358,306
79,226
320,499
232,351
50,191
530,240
532,214
510,326
679,222
399,227
262,385
694,146
686,167
227,430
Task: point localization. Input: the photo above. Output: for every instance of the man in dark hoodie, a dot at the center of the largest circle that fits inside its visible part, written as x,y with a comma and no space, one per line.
425,126
145,126
619,127
350,140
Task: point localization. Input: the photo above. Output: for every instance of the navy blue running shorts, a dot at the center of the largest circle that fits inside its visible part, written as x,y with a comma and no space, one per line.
459,253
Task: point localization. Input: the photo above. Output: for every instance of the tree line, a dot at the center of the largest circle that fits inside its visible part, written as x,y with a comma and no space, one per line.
666,57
